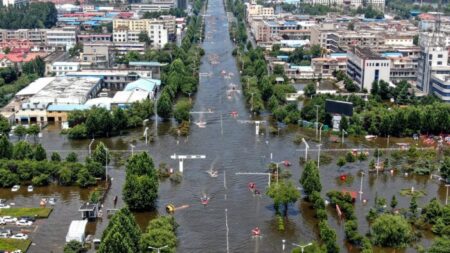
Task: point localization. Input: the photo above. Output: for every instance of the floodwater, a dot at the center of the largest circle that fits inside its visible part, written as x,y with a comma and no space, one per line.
230,146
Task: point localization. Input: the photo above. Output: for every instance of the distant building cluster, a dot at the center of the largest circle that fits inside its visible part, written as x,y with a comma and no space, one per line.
367,50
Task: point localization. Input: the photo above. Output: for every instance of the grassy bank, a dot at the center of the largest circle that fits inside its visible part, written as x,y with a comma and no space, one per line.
38,212
14,244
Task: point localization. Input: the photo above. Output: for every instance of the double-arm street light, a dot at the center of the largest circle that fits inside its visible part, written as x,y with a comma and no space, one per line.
158,250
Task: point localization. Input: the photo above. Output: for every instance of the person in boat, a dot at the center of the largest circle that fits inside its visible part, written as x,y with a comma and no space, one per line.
257,192
204,199
251,186
256,231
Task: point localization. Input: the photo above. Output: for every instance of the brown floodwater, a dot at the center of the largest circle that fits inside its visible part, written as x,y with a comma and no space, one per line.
230,146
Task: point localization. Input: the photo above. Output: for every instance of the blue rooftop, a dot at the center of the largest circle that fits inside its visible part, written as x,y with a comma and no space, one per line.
282,57
143,84
67,107
392,54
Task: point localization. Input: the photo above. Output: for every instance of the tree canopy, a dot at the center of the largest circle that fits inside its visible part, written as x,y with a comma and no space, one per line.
140,191
391,231
310,178
34,15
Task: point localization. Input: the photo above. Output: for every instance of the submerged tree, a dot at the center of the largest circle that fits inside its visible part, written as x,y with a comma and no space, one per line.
283,193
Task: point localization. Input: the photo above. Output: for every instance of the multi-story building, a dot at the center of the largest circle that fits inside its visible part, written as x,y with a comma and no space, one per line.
151,7
88,37
32,35
324,67
433,56
365,66
379,4
342,41
66,37
320,33
99,55
440,86
402,67
158,30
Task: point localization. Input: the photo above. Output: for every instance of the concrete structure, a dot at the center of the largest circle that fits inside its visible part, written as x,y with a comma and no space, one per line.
440,86
62,68
433,56
379,4
402,67
325,66
59,91
99,55
77,231
151,7
64,37
153,67
32,35
88,38
144,84
365,66
7,3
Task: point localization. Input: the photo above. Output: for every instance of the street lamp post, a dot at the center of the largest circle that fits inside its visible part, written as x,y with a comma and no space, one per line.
106,165
446,195
343,132
284,244
320,132
302,246
251,105
158,250
360,186
90,144
317,119
306,149
318,156
132,149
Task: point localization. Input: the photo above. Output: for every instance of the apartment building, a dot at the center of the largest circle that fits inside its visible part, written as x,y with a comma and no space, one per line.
62,68
158,30
89,37
365,66
402,67
259,10
342,41
32,35
169,23
379,4
65,37
98,54
151,7
320,33
325,66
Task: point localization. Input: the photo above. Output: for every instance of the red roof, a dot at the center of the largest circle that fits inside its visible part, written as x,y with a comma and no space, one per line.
21,57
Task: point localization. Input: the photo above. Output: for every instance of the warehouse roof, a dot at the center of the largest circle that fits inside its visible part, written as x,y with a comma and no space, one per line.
35,86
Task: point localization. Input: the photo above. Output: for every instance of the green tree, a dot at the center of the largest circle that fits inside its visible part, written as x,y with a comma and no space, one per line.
341,162
445,168
120,119
394,202
164,106
283,193
72,157
84,179
143,37
140,191
20,131
73,247
440,245
160,232
122,234
310,89
55,157
310,178
33,130
4,126
391,231
6,148
349,157
181,110
95,169
413,205
100,154
66,176
22,150
39,153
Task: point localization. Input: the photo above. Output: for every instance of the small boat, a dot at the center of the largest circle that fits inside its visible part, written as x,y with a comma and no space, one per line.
256,232
201,124
52,201
15,188
212,173
204,200
251,186
370,137
43,202
30,188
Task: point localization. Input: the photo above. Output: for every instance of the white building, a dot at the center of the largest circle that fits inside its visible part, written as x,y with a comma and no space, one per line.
14,2
158,35
365,66
433,56
67,38
379,4
62,68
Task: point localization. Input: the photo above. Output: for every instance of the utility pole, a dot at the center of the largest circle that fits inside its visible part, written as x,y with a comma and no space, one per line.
446,195
343,133
132,149
306,150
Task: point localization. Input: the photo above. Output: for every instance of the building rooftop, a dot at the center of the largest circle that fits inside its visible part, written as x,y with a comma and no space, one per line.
146,63
35,86
127,97
145,84
66,90
66,107
366,53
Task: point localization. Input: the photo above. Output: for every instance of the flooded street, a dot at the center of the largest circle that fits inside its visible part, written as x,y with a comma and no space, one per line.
230,146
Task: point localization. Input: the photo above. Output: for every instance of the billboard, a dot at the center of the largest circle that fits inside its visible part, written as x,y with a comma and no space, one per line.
339,107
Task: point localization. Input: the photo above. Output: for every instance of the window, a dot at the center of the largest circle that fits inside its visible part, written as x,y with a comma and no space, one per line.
439,63
377,64
440,55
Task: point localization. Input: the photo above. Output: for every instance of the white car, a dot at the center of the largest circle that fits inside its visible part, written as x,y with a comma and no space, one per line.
20,236
24,222
4,206
9,219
